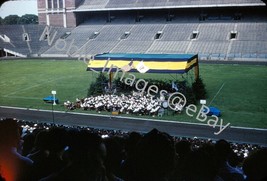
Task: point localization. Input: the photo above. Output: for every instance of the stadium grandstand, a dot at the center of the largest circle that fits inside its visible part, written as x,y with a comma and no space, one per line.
215,30
110,137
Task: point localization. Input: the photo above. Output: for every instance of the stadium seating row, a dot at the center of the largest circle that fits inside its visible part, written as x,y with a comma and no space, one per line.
221,40
105,4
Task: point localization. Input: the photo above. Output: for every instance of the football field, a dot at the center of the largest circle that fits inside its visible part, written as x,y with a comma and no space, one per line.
239,91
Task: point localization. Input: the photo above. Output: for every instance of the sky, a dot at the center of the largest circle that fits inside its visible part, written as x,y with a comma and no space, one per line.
18,7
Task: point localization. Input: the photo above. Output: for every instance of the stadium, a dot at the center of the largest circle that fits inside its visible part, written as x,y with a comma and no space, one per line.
77,88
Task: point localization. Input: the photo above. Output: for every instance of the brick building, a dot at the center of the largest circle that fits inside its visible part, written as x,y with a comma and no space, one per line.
58,12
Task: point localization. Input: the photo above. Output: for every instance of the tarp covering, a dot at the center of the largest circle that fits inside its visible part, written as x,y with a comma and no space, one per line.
155,63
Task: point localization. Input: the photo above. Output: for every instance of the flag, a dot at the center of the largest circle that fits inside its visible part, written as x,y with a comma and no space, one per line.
174,86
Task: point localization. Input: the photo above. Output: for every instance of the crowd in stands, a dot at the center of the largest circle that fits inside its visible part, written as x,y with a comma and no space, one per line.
31,151
126,104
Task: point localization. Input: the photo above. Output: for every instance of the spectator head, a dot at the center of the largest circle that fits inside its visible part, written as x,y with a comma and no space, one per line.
56,139
155,156
41,141
132,141
9,133
183,148
28,143
200,166
114,155
84,145
13,166
234,159
255,166
87,151
223,150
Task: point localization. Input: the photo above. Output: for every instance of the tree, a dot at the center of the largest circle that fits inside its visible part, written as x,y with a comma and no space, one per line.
190,96
28,19
1,20
97,87
11,20
199,89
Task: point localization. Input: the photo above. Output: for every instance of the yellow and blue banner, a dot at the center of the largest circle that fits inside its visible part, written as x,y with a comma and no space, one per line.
155,63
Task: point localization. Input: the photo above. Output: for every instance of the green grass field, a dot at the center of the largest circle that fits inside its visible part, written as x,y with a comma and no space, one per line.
242,98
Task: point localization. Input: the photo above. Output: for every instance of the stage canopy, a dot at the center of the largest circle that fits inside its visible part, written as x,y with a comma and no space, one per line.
154,63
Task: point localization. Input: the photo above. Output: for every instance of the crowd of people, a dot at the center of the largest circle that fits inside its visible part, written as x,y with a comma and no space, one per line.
135,103
41,151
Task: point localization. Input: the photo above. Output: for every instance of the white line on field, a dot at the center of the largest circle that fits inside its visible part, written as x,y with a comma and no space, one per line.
36,85
22,97
21,90
216,94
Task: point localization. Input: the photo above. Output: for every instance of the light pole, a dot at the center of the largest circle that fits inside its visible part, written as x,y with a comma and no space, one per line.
203,102
54,96
53,92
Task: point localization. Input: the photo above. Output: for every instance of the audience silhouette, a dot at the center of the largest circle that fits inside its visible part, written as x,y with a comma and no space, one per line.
44,152
13,165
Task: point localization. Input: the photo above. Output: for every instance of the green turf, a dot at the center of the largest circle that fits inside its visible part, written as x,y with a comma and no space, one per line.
242,98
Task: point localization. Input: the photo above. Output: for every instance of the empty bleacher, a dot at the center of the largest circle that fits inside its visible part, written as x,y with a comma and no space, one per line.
215,31
25,39
169,47
77,38
113,32
96,4
251,41
139,40
252,31
34,32
212,39
178,32
37,46
96,46
111,4
249,47
136,46
15,36
209,33
210,47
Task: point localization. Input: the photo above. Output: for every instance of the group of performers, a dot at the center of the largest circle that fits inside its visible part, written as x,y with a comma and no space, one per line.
127,104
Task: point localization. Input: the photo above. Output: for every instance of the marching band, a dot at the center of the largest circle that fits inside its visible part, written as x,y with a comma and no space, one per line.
127,104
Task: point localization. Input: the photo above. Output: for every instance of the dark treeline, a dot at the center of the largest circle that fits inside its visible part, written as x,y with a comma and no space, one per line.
15,19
